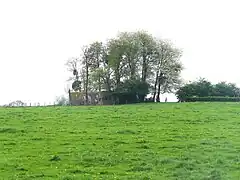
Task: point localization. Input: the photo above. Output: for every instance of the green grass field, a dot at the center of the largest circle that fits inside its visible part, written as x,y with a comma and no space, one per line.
145,141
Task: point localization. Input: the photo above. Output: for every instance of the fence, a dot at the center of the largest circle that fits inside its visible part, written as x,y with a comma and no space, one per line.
31,104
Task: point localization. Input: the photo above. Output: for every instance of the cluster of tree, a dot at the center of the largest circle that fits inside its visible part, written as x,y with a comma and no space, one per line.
130,66
17,103
203,90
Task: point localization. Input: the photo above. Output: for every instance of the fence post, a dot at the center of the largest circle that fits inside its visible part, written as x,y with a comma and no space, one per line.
69,97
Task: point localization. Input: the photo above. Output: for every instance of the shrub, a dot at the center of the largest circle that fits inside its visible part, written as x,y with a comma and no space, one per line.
212,99
61,101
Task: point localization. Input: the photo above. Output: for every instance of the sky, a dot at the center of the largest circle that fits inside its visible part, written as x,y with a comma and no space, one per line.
38,37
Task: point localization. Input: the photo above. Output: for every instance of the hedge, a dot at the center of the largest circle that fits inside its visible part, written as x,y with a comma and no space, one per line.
212,99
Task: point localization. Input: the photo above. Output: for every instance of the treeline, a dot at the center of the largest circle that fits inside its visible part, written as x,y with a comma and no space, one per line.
130,66
203,90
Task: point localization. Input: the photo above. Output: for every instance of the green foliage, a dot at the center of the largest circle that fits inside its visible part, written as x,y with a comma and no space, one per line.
204,90
131,91
117,65
226,89
144,141
212,99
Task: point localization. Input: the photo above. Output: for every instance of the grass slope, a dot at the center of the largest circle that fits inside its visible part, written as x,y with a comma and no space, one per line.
144,141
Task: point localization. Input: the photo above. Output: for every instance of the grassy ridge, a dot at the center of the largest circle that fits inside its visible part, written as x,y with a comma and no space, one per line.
144,141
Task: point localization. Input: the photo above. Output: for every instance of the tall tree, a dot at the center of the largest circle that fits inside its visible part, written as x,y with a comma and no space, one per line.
130,47
147,51
86,57
115,60
130,60
96,62
73,66
99,66
168,68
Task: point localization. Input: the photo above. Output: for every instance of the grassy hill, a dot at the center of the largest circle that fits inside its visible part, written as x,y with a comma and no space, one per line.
146,141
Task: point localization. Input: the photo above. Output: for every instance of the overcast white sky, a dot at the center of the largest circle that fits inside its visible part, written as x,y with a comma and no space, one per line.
37,37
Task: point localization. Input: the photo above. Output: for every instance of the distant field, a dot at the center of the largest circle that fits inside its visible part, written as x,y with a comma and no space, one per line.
146,141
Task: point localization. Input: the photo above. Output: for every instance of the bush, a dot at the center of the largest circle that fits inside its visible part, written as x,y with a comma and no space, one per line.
131,91
205,89
61,101
212,99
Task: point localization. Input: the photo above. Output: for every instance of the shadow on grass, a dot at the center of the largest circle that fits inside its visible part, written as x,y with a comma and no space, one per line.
8,130
126,131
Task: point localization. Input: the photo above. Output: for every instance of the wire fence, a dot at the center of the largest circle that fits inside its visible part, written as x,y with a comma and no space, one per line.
31,104
49,104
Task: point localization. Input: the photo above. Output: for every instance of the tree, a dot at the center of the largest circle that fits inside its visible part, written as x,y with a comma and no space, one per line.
226,89
86,62
73,66
16,103
127,63
99,69
95,62
80,67
130,48
204,88
61,101
131,91
188,90
115,60
160,80
147,51
167,70
199,88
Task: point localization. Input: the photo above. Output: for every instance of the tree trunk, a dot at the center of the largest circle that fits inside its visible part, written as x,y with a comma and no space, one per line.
144,68
160,80
141,98
70,97
131,67
99,89
99,84
117,78
108,84
155,87
158,93
132,72
86,85
108,76
99,76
